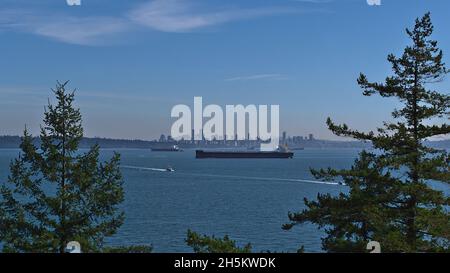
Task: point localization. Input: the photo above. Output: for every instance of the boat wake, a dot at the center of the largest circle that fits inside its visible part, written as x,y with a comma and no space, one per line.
238,176
144,168
263,178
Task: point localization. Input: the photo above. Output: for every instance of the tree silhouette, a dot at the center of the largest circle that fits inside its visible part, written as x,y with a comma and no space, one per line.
390,199
55,193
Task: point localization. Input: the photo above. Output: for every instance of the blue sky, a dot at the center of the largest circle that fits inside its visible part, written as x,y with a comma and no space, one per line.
131,61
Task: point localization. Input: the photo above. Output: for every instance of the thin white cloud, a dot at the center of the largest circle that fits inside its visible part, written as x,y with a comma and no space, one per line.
257,77
160,15
84,31
69,29
184,16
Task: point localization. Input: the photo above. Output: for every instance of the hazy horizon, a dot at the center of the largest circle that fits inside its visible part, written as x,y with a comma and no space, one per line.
132,61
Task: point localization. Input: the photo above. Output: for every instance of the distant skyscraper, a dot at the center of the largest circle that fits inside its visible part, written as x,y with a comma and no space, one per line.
311,137
284,137
162,138
192,135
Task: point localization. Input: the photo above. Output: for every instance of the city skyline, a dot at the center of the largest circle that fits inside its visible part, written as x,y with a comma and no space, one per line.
132,61
194,137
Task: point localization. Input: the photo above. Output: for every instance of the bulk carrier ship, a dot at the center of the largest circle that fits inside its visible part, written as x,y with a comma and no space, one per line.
281,152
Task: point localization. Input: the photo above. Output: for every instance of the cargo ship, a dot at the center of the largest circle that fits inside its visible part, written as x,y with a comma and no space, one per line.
279,153
173,148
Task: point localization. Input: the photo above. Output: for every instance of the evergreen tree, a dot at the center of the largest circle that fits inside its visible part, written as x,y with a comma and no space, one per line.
390,199
128,249
206,244
55,193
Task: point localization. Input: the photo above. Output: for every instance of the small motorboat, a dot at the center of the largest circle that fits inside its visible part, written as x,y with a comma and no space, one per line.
170,169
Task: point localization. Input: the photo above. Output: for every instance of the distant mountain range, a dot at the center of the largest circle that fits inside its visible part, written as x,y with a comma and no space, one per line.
107,143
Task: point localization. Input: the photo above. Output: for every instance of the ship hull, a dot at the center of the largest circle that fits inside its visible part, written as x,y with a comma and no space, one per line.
243,154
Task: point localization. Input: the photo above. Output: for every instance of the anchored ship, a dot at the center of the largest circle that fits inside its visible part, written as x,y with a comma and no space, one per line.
281,152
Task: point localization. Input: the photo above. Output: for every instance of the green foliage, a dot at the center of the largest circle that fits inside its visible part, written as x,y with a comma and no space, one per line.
205,244
128,249
55,193
390,199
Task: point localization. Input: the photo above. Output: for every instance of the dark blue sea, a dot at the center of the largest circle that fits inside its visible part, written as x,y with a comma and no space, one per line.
248,199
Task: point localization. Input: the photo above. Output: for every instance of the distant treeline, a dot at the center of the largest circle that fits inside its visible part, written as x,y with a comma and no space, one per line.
14,142
105,143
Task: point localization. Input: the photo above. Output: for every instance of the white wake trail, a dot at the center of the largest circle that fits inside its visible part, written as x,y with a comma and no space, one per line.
265,178
237,176
144,168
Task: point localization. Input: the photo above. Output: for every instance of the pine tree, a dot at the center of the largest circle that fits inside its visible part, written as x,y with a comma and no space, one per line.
55,193
206,244
390,199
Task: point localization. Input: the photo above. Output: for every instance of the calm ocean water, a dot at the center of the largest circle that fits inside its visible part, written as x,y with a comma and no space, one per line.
248,199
